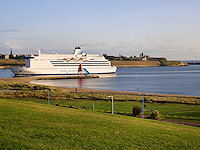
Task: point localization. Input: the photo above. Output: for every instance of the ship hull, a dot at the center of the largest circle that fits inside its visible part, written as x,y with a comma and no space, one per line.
23,71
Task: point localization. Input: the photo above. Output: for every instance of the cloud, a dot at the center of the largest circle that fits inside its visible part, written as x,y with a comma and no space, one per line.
170,48
24,38
194,50
8,45
95,45
14,30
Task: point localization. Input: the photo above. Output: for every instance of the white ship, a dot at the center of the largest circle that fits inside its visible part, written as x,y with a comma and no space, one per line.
64,64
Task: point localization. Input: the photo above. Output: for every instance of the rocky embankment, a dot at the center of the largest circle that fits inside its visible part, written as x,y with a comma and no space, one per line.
147,63
175,63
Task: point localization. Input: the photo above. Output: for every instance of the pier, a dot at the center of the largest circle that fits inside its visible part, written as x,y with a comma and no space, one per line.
25,79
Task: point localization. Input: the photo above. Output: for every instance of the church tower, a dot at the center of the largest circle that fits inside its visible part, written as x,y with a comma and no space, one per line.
11,52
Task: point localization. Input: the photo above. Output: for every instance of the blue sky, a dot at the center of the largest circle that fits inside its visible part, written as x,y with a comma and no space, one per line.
159,28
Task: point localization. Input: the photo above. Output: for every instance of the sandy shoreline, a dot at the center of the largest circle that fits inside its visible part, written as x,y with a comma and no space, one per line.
68,89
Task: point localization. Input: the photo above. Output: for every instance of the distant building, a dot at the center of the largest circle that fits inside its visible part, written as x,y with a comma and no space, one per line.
145,58
141,55
20,57
11,54
6,56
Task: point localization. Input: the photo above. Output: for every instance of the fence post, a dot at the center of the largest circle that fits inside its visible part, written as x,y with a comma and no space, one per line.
93,107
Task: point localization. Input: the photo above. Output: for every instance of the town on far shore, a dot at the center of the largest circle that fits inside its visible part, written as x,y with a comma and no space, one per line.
141,57
120,61
12,56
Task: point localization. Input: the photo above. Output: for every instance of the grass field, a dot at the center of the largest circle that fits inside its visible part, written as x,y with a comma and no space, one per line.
185,112
30,125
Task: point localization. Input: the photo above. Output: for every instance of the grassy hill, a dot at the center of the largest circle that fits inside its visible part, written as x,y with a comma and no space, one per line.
154,63
136,63
12,62
28,125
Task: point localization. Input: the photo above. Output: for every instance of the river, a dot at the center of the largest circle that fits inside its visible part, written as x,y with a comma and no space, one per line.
183,80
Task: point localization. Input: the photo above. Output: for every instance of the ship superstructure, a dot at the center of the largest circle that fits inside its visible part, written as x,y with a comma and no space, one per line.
64,64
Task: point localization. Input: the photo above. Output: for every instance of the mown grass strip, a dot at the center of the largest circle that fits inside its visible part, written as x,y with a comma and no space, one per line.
26,125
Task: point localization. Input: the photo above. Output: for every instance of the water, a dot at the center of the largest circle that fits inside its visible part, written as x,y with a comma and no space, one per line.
6,73
191,61
166,80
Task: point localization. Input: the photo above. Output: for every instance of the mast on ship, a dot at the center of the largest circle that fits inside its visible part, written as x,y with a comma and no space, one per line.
39,51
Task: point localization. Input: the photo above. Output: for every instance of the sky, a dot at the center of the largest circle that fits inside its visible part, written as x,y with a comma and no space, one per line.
158,28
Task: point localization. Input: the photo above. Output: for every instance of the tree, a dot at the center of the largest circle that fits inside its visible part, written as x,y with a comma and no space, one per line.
155,114
136,111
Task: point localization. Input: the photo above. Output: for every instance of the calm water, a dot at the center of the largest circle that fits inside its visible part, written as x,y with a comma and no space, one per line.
168,80
6,73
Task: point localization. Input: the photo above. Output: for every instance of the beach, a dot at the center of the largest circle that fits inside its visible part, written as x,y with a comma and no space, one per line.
68,89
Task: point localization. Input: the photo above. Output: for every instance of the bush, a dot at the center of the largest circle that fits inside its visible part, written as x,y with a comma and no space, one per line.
136,111
155,114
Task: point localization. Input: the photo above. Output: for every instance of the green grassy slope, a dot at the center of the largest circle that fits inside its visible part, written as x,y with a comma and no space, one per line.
27,125
170,111
12,62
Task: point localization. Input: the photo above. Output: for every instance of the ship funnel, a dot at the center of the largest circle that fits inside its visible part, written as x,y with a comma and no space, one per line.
77,51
